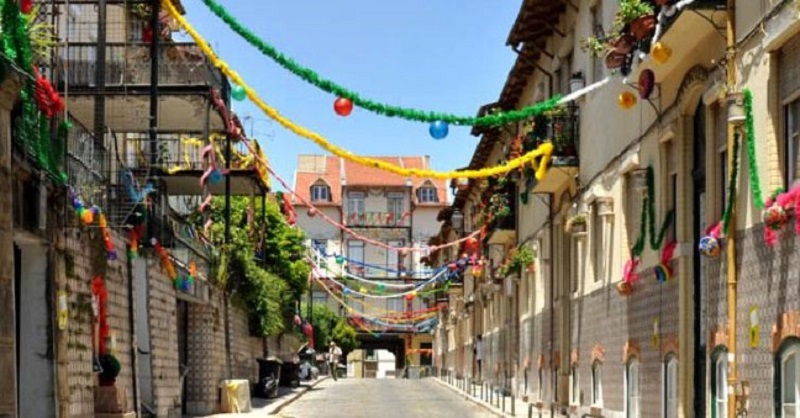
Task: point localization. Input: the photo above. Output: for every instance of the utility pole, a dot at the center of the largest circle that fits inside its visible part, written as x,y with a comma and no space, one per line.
730,33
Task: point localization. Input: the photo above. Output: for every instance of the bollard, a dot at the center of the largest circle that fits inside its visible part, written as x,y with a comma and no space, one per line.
513,406
483,398
504,401
491,395
530,411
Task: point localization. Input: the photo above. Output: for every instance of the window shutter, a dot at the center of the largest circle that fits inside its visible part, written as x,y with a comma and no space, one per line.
789,68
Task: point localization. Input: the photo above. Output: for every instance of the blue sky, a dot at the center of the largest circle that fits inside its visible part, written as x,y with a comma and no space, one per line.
444,55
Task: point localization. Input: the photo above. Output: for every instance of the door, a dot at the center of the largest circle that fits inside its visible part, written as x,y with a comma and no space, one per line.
183,347
144,360
35,377
699,294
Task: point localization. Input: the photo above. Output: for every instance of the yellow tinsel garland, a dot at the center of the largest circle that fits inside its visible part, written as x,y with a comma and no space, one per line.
544,151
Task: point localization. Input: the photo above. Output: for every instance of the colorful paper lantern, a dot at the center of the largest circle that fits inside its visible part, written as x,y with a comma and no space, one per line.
381,288
362,290
339,260
661,53
410,296
662,273
439,129
626,100
774,217
647,83
343,106
709,246
238,93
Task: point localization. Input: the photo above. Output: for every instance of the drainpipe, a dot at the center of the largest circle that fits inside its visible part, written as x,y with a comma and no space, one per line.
550,197
538,67
730,32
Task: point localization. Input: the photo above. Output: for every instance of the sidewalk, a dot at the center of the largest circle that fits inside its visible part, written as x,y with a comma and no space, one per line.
492,399
265,407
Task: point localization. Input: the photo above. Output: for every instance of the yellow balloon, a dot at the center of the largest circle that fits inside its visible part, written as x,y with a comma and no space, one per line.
626,100
661,53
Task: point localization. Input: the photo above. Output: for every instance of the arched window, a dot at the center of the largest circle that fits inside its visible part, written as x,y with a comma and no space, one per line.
634,396
320,192
719,383
671,386
787,379
597,383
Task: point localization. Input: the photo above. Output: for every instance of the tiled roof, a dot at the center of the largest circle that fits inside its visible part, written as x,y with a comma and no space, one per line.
338,172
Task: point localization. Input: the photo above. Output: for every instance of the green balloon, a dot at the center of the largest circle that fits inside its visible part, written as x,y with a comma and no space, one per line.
339,259
238,93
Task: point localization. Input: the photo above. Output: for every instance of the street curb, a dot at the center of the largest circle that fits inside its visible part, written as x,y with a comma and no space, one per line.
482,404
297,395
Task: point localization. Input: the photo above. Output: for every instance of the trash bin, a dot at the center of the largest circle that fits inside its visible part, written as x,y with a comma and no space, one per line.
290,374
269,376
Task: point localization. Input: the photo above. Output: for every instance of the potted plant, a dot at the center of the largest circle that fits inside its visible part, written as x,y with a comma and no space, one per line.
615,60
576,224
111,368
525,258
594,46
638,16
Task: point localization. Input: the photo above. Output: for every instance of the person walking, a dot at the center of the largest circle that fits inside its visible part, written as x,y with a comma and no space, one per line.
334,354
478,351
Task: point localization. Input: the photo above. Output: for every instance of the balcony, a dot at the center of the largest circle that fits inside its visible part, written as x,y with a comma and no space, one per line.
561,127
378,219
179,162
184,82
128,65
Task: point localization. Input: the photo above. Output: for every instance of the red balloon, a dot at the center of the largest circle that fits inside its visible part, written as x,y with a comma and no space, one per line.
342,106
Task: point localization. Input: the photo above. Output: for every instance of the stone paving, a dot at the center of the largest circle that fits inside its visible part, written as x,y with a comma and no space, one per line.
385,398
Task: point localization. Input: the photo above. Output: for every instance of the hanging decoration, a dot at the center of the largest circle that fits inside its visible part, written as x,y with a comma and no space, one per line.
755,181
646,84
166,261
647,221
626,100
39,102
661,52
88,217
663,271
63,310
99,303
439,129
311,77
709,244
542,153
238,93
343,106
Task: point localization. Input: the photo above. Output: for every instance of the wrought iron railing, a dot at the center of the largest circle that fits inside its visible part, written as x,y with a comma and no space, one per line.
378,219
128,64
560,126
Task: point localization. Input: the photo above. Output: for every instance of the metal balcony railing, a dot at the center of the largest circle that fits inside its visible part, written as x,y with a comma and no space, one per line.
128,64
377,219
176,152
560,126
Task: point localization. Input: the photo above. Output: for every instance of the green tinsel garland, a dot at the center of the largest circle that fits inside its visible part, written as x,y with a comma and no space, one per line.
732,180
755,181
33,128
310,76
647,223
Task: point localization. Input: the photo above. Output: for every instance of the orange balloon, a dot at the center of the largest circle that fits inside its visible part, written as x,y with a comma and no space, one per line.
661,53
87,217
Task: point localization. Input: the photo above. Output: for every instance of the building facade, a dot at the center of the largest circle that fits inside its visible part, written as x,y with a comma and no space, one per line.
630,202
387,208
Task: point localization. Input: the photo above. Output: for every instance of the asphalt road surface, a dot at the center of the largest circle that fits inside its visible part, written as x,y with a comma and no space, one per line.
382,398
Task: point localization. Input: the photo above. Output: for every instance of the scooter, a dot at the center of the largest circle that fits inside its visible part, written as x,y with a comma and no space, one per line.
308,372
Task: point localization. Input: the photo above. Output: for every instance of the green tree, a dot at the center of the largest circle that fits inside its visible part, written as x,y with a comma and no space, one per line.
328,326
267,288
345,336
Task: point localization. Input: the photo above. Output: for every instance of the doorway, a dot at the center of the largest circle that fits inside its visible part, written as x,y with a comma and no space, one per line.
698,263
35,368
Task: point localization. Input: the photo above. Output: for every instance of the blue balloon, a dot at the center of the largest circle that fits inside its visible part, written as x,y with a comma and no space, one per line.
439,129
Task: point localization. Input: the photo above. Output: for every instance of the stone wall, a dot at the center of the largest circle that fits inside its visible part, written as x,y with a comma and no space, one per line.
164,342
81,259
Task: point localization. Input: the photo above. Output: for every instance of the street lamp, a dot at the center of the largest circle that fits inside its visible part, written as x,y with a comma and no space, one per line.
457,220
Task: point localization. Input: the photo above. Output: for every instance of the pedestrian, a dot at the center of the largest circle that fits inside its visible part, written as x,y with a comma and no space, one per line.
478,351
334,354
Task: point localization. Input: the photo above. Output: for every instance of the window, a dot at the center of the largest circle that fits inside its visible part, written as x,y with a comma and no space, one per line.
320,297
540,384
632,389
394,261
355,251
788,386
721,134
791,142
671,387
719,384
597,245
355,203
395,206
671,186
576,264
597,384
320,244
427,194
598,67
320,192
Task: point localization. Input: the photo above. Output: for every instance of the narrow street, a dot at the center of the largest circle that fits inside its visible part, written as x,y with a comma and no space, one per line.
387,398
